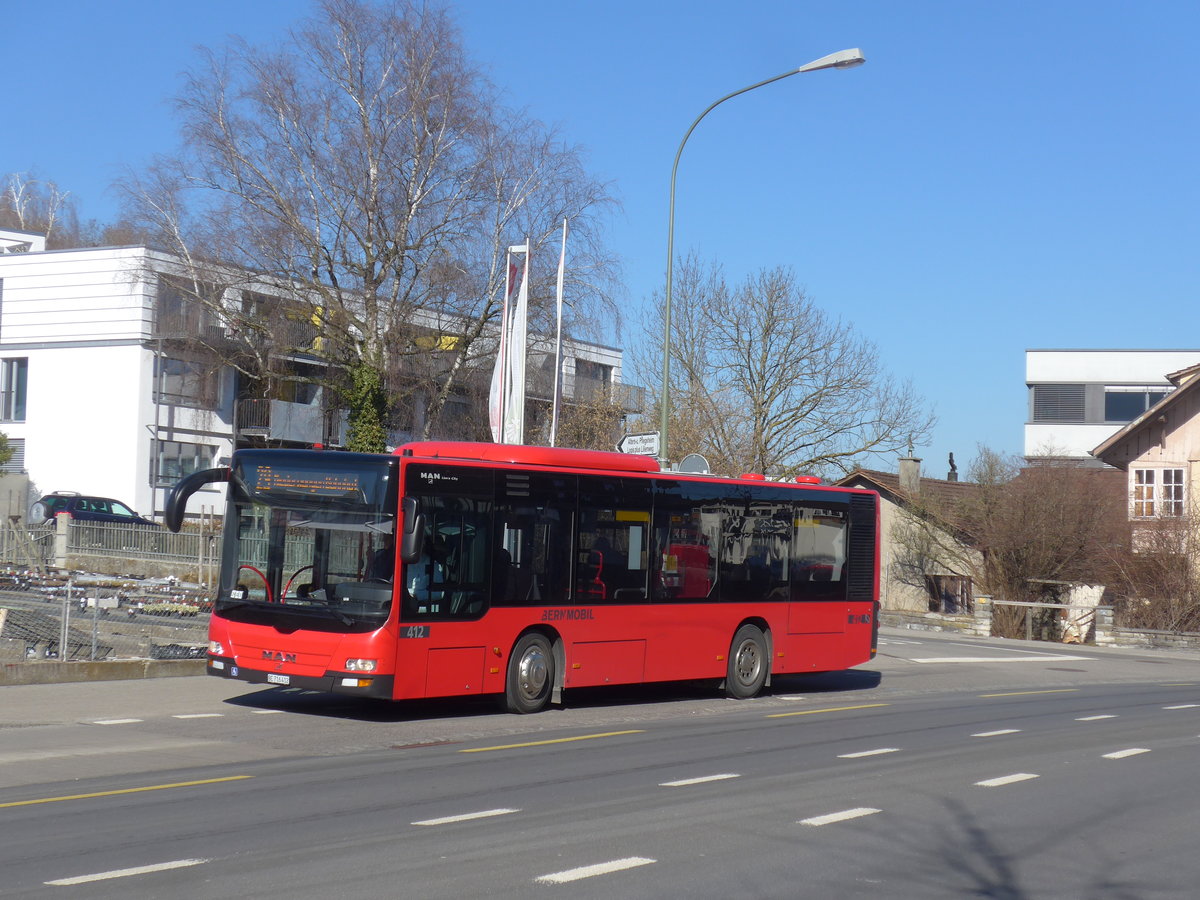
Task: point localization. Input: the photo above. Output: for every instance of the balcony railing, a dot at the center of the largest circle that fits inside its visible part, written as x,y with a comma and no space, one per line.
279,420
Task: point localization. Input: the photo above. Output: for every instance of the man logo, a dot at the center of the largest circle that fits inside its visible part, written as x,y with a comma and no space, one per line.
276,656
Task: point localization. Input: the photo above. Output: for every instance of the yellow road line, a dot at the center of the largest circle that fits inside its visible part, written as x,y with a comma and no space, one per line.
582,737
1023,693
810,712
136,790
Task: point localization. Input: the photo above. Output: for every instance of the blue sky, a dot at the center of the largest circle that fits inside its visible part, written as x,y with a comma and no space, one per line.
1000,175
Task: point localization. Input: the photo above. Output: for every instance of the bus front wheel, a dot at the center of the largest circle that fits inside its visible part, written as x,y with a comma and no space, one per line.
748,661
530,679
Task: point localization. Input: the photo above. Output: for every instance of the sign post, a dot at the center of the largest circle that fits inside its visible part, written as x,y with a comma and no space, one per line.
639,444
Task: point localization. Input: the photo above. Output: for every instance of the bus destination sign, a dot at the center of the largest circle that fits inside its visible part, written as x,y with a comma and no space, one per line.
304,481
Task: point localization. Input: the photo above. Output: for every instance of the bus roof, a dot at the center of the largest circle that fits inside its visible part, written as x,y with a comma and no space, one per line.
523,454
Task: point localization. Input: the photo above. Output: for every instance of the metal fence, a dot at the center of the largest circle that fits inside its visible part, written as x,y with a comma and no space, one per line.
93,590
107,548
92,619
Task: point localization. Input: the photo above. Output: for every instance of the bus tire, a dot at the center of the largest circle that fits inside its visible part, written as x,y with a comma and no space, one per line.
530,681
748,663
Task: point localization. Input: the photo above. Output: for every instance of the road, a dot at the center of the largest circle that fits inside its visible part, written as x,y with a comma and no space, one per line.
948,767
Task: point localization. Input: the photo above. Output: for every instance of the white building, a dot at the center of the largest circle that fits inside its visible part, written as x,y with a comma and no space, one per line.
1080,398
95,396
77,378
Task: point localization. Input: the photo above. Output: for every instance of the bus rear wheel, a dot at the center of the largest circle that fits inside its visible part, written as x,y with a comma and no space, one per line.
530,681
748,661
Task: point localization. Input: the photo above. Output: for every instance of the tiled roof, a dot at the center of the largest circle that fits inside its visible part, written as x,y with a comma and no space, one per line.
937,491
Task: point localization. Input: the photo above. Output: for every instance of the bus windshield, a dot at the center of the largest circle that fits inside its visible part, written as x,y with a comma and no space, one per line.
311,545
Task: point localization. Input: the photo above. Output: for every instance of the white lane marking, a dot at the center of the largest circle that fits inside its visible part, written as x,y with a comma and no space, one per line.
125,873
1007,779
1121,754
884,641
998,659
844,815
466,817
789,697
616,865
861,753
199,716
1183,706
997,733
116,721
685,782
266,712
1053,654
1095,718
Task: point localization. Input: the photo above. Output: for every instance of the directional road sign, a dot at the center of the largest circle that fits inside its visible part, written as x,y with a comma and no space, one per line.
639,444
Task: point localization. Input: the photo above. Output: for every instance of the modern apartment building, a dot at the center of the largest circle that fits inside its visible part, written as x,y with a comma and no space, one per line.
99,394
1080,398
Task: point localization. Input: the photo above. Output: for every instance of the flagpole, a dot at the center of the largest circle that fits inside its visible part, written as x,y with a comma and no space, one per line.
562,262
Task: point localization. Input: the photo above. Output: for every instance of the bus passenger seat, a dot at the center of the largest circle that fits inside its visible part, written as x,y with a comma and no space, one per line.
590,583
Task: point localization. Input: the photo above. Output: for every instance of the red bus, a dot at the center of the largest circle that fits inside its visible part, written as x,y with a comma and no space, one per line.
449,569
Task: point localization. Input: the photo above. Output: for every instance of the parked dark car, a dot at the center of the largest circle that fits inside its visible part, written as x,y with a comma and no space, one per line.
85,508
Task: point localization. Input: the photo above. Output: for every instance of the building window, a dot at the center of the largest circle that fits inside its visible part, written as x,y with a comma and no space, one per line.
1171,503
949,594
1058,403
16,462
185,383
1143,493
1157,492
1124,404
14,375
592,381
184,309
177,459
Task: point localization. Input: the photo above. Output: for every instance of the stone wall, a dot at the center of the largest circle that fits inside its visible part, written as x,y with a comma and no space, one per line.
1105,633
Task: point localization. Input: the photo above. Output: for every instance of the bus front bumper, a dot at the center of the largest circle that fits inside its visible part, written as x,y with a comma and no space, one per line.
353,683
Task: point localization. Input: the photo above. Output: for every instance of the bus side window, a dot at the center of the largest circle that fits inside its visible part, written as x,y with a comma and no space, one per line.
614,522
533,524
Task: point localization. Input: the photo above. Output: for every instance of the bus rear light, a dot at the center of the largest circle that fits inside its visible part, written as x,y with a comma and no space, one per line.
361,665
216,648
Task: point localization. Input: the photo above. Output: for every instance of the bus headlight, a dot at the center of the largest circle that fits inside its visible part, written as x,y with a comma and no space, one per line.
361,665
216,648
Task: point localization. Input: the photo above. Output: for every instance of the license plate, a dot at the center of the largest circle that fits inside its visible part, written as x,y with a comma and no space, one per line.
272,678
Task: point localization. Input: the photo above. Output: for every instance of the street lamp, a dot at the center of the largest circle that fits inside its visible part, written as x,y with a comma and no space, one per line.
843,59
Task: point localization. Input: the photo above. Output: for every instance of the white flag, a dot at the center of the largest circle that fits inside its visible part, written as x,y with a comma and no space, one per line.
557,401
514,399
499,372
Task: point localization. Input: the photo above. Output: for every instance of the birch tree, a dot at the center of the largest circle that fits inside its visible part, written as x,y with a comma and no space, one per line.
365,171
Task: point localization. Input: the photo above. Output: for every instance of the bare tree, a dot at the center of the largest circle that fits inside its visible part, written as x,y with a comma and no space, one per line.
1019,525
369,174
764,381
1155,578
30,203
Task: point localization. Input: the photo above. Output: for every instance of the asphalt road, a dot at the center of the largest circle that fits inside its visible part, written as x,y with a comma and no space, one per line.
949,767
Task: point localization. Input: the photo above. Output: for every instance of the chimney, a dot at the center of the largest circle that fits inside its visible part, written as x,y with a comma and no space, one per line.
910,474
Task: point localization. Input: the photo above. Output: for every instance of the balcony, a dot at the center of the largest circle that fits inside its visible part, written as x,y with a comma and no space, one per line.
279,420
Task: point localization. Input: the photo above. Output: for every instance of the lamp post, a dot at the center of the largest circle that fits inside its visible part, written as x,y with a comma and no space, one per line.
843,59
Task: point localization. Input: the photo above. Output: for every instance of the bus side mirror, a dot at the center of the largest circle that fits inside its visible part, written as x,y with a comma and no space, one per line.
184,488
414,530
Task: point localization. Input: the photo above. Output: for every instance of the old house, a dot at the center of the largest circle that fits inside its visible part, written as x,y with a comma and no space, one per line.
925,563
1160,452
